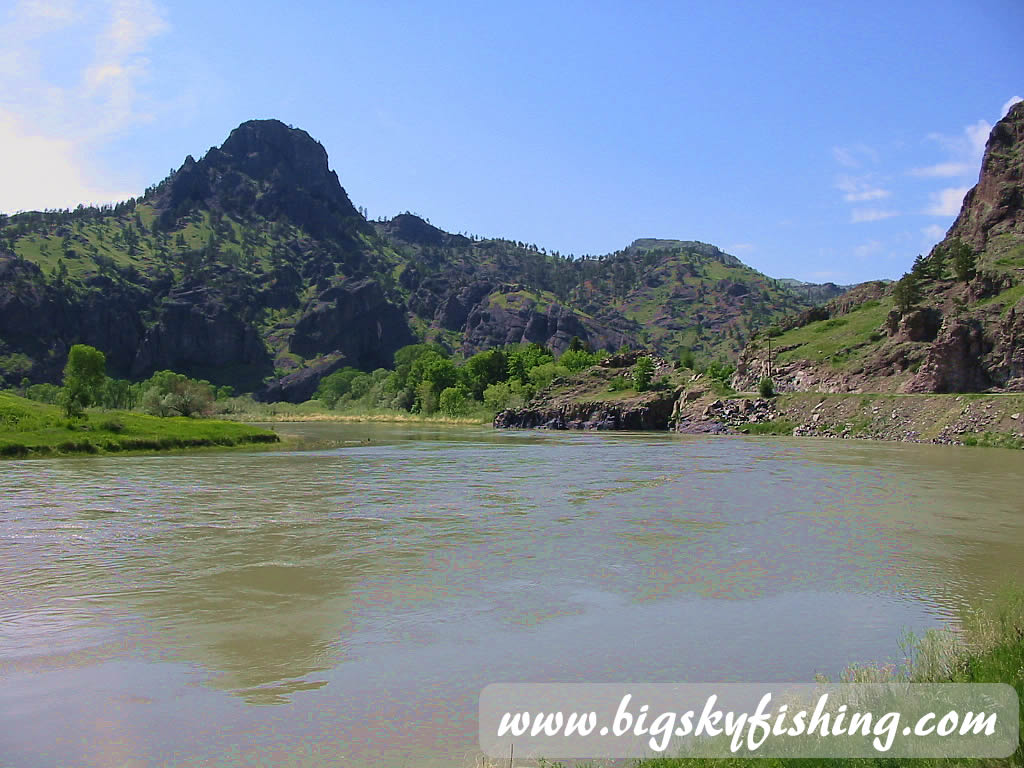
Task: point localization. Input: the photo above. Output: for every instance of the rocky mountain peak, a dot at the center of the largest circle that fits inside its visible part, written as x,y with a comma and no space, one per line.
270,150
271,169
995,206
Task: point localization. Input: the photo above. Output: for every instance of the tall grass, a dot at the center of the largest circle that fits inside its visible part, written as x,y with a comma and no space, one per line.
248,410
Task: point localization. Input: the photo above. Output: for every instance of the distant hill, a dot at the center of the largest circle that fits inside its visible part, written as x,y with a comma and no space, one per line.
960,333
252,267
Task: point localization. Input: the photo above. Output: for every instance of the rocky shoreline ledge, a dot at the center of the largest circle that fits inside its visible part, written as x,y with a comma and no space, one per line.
690,404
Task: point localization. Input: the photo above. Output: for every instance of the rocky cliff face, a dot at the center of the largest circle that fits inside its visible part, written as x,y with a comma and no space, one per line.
995,206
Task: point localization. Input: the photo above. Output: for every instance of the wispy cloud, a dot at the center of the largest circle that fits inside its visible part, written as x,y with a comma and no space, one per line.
943,170
855,155
48,126
860,189
965,149
860,215
946,202
868,249
741,248
933,233
1009,103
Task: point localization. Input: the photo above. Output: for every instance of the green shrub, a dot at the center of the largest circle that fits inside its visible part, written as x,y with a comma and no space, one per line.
618,384
643,372
577,360
766,388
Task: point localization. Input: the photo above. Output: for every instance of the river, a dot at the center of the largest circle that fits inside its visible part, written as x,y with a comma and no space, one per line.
345,604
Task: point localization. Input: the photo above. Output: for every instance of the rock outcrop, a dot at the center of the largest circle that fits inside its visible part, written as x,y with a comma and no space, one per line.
995,205
954,361
197,334
355,320
652,413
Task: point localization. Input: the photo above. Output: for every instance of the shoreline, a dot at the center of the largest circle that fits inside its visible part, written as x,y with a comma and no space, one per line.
393,418
975,419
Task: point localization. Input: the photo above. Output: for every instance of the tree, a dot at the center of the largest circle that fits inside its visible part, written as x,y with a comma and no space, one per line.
643,372
335,386
523,358
168,393
937,263
116,394
906,293
766,387
921,268
506,394
190,397
542,375
964,260
452,402
482,370
84,376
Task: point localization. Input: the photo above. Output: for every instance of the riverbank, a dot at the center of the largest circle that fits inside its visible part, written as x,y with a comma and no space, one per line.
696,405
31,430
249,411
968,419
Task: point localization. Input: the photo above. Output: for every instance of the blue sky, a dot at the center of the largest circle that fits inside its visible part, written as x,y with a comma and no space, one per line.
824,141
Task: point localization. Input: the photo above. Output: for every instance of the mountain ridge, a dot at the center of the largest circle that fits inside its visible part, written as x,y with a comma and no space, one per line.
252,267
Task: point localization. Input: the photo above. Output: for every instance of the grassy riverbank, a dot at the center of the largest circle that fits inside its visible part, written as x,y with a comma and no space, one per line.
31,429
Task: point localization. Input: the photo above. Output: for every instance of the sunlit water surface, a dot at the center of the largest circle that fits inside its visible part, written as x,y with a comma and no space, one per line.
346,605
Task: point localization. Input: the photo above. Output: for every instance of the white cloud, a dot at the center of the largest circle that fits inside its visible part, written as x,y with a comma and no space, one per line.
53,126
1009,103
933,233
855,155
44,172
860,215
977,136
868,249
860,189
741,248
965,150
946,202
943,170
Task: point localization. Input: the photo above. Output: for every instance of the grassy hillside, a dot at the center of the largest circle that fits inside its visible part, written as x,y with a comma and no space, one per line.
28,428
